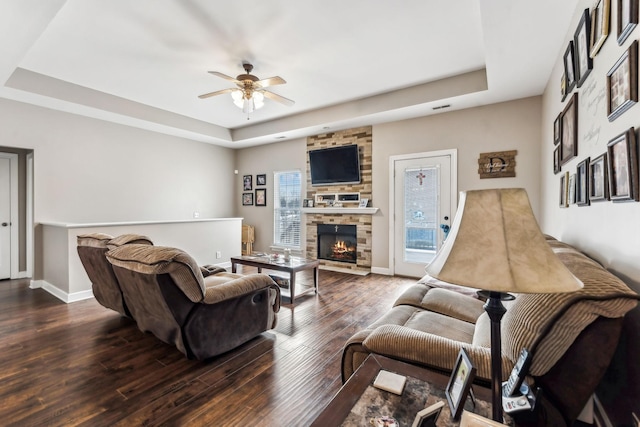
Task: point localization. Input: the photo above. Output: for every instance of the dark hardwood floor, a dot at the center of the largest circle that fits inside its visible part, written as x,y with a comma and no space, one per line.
81,364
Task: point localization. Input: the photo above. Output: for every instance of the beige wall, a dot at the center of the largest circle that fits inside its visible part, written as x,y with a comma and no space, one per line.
607,231
511,125
267,159
87,170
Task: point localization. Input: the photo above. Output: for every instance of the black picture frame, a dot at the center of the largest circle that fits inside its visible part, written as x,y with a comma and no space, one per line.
569,68
598,179
247,182
627,19
581,39
563,86
569,130
460,383
622,83
247,199
261,197
556,160
600,19
261,179
582,183
557,129
623,167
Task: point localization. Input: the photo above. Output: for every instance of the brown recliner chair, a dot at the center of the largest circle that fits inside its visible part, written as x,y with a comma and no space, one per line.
91,250
202,316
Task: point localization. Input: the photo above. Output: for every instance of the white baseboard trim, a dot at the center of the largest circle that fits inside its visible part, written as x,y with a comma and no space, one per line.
380,270
226,264
60,294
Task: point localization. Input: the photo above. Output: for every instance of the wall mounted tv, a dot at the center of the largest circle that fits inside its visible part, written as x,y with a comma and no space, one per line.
335,165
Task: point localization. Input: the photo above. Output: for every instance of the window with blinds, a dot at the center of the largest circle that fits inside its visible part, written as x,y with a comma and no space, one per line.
286,209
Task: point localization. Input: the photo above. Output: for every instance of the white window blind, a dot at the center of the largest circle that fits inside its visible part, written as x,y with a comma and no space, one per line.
286,209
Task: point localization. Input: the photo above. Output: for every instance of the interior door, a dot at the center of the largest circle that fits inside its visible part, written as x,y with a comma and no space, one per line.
423,208
5,218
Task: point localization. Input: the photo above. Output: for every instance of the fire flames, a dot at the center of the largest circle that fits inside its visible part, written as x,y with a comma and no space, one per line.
341,248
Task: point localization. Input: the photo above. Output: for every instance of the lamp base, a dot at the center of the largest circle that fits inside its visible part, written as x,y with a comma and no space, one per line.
496,310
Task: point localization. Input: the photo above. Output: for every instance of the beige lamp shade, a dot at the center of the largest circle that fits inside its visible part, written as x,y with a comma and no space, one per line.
495,244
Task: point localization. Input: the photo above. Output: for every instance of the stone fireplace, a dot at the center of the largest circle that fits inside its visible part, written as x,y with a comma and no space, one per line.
337,243
358,245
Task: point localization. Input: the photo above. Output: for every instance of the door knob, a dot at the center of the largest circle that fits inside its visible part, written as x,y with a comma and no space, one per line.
4,224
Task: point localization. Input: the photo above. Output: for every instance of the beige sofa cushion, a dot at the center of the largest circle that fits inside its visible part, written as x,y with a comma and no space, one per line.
147,259
94,240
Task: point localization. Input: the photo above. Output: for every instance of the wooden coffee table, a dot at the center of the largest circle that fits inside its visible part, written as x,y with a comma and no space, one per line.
292,266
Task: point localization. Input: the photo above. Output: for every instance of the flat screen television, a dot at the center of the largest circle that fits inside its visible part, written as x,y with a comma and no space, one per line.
335,165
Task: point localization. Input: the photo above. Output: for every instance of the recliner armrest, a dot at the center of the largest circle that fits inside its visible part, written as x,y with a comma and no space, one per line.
215,291
400,342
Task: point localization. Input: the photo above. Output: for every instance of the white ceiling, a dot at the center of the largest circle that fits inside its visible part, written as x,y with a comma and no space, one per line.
347,63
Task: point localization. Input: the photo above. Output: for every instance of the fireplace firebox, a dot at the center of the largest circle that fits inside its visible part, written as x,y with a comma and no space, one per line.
337,242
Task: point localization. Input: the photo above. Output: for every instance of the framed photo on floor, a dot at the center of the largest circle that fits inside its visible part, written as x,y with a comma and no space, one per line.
623,167
622,83
247,199
598,182
582,183
460,383
261,197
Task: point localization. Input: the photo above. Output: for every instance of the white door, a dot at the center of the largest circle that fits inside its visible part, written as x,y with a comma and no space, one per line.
5,218
424,202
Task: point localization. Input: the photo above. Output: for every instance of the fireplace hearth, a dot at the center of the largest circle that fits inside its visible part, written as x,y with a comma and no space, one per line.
337,243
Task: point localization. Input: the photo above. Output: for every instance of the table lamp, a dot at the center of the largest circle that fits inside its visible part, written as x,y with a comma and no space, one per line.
495,244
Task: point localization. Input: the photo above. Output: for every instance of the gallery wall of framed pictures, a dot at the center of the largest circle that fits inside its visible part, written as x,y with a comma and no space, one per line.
599,79
257,196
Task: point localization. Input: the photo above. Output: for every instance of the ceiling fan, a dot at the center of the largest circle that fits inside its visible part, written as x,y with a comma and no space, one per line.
250,93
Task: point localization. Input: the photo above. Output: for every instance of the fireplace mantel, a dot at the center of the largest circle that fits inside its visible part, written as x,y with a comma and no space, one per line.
346,211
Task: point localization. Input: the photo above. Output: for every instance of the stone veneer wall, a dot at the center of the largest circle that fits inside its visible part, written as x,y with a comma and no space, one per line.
363,138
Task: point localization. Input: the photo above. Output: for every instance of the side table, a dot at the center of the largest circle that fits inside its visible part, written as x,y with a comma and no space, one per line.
358,401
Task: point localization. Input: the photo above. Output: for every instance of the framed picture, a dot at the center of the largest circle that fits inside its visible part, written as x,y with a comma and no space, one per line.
247,199
363,203
247,182
582,183
556,160
623,167
428,416
627,18
600,17
622,83
469,419
261,197
572,189
598,186
563,87
569,69
564,190
460,383
557,129
569,131
583,61
307,203
261,179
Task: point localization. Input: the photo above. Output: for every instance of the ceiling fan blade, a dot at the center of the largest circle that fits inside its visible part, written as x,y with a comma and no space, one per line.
271,81
224,76
278,98
218,92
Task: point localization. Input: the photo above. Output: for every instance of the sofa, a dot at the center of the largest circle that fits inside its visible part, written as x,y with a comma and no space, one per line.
571,336
168,295
92,249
